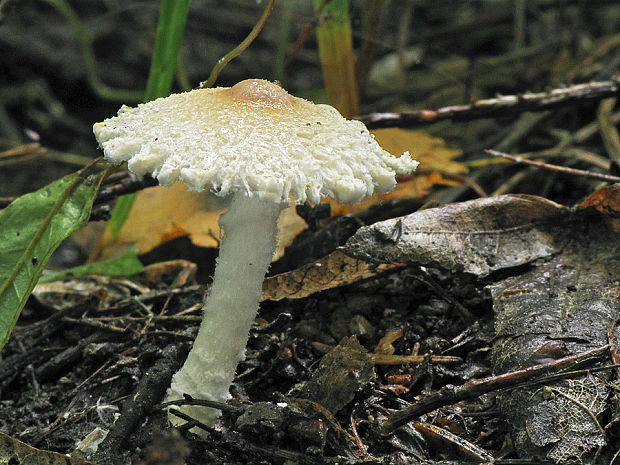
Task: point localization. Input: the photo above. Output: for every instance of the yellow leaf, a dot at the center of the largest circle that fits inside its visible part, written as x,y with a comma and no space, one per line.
436,164
430,151
161,214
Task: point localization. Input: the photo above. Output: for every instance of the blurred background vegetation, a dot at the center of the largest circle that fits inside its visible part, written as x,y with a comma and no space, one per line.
409,54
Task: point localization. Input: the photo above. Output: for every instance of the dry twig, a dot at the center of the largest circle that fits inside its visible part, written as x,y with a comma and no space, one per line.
473,389
499,106
561,169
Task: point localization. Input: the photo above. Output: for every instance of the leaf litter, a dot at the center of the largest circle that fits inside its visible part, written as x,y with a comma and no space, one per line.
73,364
559,298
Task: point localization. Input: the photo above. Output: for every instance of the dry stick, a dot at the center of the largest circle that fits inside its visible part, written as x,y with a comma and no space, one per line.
358,441
386,359
615,357
124,183
500,106
562,169
149,391
473,389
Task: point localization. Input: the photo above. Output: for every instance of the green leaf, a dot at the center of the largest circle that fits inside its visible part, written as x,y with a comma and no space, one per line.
32,227
121,211
126,264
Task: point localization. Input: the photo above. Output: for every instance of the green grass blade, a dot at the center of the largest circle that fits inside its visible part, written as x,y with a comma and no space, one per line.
127,264
32,227
336,53
170,27
88,55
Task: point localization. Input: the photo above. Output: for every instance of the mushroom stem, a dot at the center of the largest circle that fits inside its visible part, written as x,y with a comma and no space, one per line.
248,243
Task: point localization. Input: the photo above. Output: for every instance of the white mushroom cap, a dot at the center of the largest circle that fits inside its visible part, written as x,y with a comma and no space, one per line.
255,138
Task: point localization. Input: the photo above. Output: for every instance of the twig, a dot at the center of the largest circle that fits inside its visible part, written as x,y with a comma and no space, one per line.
473,389
149,391
500,106
126,183
386,359
562,169
358,441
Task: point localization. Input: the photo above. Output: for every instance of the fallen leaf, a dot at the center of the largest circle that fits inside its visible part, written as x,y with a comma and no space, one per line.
342,372
478,236
436,162
336,269
562,306
161,213
605,200
13,451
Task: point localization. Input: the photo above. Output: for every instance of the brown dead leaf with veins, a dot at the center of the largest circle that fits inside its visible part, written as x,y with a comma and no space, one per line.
478,237
472,237
337,269
436,165
13,451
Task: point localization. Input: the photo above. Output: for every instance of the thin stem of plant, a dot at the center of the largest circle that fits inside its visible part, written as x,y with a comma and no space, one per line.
235,52
561,169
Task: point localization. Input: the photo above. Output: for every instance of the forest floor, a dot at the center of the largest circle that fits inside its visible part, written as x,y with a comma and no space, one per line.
506,283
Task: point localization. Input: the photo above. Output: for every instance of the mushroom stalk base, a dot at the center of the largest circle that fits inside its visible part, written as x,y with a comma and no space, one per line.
247,247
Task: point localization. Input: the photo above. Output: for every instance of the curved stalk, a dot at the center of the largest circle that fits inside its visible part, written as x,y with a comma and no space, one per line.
246,250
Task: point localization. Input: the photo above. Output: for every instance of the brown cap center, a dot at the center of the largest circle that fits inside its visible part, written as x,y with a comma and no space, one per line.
261,93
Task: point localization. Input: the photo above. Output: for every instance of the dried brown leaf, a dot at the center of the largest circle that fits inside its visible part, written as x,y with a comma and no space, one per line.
342,372
13,451
606,200
479,236
337,269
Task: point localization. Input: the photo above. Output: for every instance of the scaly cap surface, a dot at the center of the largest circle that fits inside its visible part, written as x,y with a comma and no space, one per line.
253,137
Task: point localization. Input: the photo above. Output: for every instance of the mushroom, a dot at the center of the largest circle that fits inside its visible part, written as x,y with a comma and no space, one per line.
260,145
